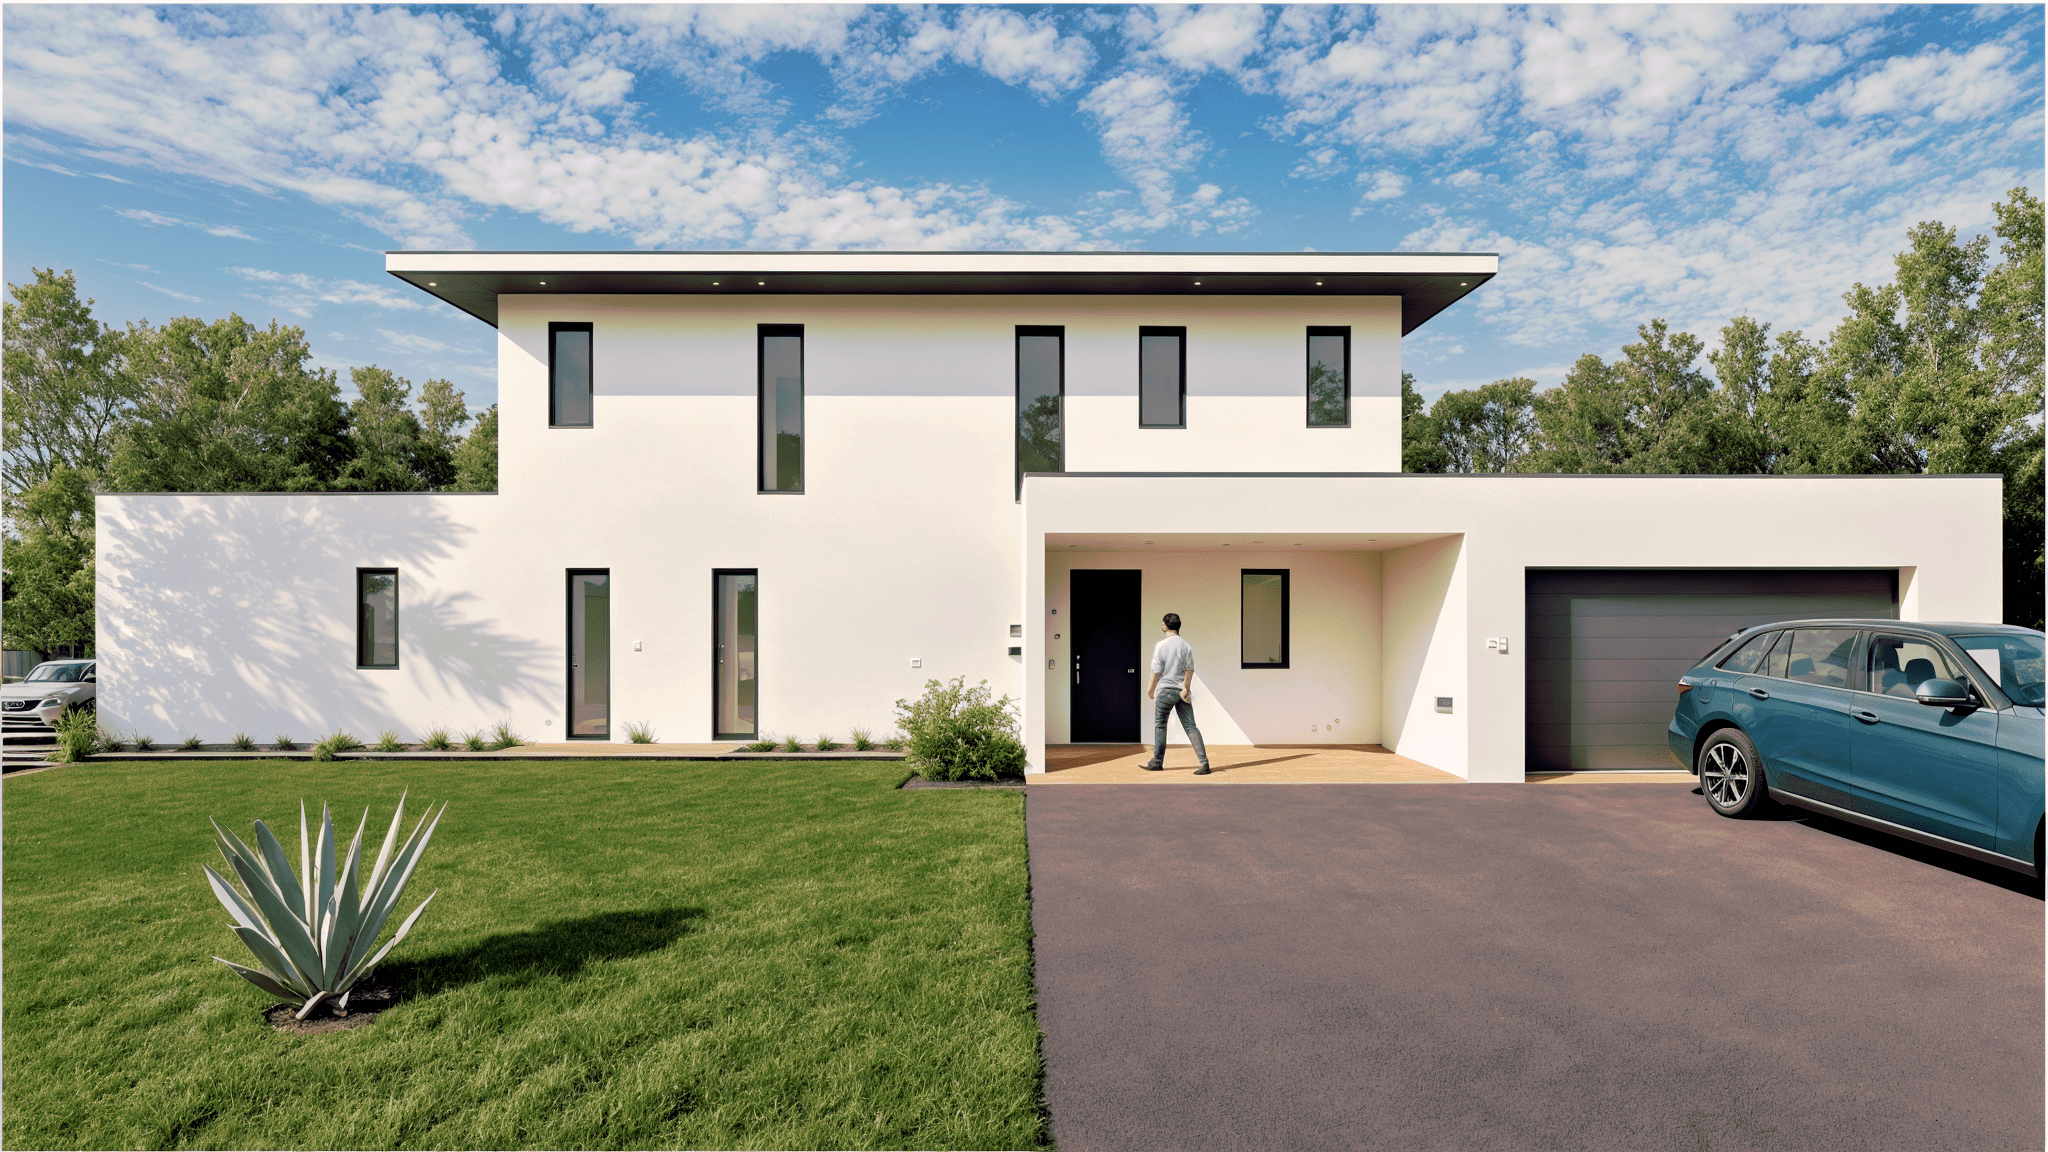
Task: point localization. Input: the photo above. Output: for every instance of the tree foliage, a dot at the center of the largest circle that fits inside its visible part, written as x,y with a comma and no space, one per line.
64,398
1939,371
48,585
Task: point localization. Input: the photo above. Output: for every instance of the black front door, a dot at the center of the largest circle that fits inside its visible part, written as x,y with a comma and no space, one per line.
1108,657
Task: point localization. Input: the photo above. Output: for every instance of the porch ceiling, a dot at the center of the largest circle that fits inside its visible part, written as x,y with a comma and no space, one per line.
1235,541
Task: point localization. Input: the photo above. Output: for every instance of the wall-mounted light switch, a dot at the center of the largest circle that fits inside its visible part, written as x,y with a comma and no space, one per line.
1443,703
1016,629
1497,644
916,662
636,645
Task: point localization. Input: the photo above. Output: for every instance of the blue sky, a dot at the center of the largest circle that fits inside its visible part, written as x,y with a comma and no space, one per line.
1688,162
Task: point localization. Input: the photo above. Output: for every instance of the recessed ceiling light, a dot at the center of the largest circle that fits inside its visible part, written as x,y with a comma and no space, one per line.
543,283
1198,283
1319,283
762,283
431,284
1462,284
714,283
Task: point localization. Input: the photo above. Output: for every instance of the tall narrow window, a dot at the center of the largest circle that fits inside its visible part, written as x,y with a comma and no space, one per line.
1041,390
1329,377
1162,377
376,617
782,407
1264,617
590,653
735,677
569,404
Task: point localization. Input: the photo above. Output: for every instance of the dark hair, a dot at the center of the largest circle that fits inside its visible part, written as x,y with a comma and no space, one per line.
1172,621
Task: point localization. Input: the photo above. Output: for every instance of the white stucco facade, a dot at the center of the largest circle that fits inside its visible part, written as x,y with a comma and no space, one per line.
227,613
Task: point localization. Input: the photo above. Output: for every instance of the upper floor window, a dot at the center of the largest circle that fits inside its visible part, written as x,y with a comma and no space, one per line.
1162,377
782,407
569,403
1041,391
376,617
1329,377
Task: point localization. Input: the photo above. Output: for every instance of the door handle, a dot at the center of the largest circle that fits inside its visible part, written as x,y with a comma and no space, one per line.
1864,714
1759,693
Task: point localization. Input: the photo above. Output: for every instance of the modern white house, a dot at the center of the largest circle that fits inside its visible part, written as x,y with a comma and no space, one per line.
749,493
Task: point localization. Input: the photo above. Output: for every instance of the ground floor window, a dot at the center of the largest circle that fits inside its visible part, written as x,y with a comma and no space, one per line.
735,671
590,653
1264,617
376,617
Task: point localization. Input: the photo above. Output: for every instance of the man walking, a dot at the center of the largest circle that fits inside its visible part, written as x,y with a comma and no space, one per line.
1172,690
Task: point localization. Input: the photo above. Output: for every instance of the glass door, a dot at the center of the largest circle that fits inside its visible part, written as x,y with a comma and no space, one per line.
590,654
735,714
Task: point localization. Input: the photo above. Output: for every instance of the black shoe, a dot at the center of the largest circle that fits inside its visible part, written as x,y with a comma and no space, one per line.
1202,771
1153,767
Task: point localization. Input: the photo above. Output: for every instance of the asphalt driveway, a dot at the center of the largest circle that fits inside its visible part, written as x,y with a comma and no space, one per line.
1422,966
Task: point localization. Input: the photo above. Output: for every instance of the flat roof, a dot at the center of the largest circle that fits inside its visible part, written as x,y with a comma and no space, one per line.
1426,282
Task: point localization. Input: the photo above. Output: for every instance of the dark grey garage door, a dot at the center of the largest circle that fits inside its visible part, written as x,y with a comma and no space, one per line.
1606,648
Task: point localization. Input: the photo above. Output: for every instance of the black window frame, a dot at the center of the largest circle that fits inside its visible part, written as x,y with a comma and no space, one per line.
361,638
588,329
569,576
1309,366
762,332
1179,332
716,620
1286,576
1017,396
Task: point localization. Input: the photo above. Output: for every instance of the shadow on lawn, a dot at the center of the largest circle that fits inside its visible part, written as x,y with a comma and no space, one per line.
559,948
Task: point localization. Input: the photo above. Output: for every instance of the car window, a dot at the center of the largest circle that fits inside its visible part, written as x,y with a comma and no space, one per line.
63,673
1820,656
1774,663
1747,658
2011,660
1899,665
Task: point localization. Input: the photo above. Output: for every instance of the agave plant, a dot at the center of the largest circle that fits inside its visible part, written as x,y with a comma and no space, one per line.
312,931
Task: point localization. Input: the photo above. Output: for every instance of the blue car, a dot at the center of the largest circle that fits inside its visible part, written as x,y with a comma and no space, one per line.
1932,732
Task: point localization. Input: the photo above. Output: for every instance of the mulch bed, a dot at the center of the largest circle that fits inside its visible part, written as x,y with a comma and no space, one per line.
998,782
365,1004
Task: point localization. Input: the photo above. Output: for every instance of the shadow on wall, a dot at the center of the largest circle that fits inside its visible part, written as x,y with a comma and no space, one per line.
226,613
1417,582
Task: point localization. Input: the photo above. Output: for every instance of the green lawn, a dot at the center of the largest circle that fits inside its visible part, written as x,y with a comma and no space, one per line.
622,955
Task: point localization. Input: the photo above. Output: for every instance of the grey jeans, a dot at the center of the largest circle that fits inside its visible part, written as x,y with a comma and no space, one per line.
1168,700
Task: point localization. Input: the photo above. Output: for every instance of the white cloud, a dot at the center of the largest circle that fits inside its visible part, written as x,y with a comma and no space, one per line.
411,342
1386,185
1947,86
1217,36
171,293
300,294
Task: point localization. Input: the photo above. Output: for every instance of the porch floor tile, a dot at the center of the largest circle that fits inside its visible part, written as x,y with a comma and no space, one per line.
1236,763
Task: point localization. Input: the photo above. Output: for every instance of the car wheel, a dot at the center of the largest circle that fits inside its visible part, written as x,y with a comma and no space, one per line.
1732,775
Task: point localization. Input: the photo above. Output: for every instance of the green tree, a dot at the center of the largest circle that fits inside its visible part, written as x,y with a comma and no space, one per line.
64,394
385,436
1652,411
49,574
476,458
442,411
1491,428
1420,451
2013,301
228,407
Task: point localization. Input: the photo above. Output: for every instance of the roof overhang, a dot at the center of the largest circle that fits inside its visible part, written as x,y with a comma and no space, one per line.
1426,282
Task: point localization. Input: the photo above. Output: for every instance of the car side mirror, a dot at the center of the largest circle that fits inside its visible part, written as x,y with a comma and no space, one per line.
1944,694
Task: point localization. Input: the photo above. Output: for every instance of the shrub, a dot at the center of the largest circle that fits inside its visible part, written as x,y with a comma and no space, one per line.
863,740
956,733
144,743
826,743
759,746
243,742
436,740
388,741
311,949
339,742
641,733
284,744
474,741
78,736
503,737
791,744
110,740
191,743
895,742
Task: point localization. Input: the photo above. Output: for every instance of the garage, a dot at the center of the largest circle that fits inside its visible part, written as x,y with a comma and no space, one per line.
1606,648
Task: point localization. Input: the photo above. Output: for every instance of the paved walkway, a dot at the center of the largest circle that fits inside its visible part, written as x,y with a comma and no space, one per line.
1509,967
1236,764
